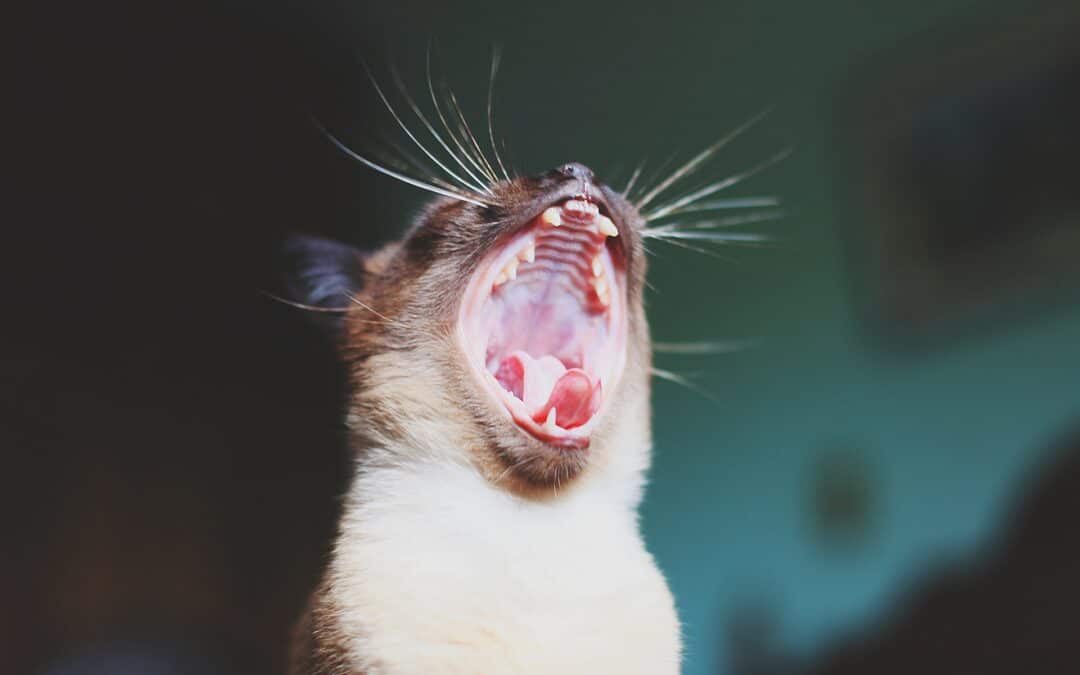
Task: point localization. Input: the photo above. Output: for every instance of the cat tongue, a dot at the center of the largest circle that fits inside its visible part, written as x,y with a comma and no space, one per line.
544,385
574,399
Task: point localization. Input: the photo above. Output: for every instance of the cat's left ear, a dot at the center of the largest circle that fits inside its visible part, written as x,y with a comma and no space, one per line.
322,273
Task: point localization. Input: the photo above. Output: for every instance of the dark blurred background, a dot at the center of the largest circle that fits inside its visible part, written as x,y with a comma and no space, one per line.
886,483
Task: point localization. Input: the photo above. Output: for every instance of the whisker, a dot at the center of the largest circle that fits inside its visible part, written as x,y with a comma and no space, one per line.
706,347
478,183
633,178
403,160
513,170
700,158
408,132
653,254
496,59
717,187
679,379
404,127
612,173
301,305
721,237
467,133
387,321
446,125
467,136
658,172
519,463
733,203
356,301
409,180
712,223
315,308
695,249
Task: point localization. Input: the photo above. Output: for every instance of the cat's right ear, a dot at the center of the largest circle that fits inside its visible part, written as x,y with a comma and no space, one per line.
321,275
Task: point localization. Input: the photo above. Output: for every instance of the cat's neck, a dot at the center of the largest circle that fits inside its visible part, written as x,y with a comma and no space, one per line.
442,493
434,565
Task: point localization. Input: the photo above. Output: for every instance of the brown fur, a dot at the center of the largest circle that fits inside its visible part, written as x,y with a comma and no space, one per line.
410,382
318,645
415,287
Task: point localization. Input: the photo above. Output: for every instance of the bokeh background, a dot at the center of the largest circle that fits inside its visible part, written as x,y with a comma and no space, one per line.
885,482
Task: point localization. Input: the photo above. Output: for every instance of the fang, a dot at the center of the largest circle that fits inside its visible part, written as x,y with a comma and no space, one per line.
552,217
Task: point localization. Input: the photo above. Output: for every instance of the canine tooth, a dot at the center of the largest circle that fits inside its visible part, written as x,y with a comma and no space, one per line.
510,271
606,227
597,266
602,293
552,216
499,280
549,423
528,254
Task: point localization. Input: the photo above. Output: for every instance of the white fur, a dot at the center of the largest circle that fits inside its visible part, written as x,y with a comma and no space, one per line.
438,571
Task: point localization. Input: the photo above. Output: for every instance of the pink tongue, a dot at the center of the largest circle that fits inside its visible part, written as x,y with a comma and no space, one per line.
574,399
544,383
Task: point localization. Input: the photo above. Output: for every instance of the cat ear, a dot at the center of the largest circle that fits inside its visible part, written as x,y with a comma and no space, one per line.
321,275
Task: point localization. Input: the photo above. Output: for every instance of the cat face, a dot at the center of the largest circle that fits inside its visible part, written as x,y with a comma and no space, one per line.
510,332
506,328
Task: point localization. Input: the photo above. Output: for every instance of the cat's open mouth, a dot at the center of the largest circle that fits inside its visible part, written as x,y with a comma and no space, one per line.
543,323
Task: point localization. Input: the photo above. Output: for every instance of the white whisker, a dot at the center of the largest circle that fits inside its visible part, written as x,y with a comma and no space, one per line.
477,183
405,161
412,136
304,306
386,321
496,58
395,174
716,187
657,173
358,302
467,133
409,133
679,379
633,179
707,347
695,249
713,223
721,237
701,157
726,204
446,125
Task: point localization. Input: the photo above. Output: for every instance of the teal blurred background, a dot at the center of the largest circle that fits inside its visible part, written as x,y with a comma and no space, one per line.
941,436
176,441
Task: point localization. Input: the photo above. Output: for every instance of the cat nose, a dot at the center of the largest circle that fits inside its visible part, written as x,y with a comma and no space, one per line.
576,170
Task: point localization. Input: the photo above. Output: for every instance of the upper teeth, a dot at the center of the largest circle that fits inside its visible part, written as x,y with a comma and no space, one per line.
582,211
606,227
510,269
508,272
552,216
581,206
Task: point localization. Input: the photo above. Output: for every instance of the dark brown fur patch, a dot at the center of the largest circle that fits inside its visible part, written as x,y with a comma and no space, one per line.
318,646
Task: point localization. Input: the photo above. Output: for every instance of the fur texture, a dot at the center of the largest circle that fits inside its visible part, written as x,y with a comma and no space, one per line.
468,546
